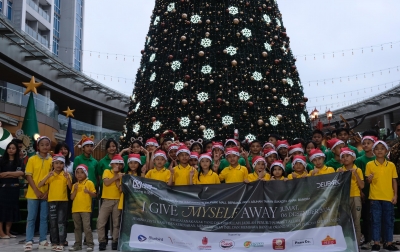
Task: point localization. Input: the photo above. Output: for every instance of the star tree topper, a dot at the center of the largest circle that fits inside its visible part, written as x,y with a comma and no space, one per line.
69,112
31,86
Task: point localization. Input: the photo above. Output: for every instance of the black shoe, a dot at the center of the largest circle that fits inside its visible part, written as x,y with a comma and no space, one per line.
114,246
391,247
375,248
102,246
66,244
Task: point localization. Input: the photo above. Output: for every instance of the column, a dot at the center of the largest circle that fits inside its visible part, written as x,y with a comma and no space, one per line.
98,121
387,120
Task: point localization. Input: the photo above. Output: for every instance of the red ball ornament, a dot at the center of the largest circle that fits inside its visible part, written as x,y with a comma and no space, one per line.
141,51
250,103
301,104
153,119
170,57
187,77
218,116
161,108
219,100
276,62
305,99
293,67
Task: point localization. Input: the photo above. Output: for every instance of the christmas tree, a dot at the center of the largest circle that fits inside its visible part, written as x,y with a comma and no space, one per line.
212,66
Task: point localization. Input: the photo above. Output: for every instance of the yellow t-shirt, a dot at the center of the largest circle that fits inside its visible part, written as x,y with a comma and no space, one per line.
381,187
210,178
254,177
324,170
290,176
354,189
82,202
111,191
121,199
58,187
161,175
182,175
234,175
38,168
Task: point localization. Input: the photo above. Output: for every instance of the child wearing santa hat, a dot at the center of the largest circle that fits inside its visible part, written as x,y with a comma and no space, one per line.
159,172
183,171
206,175
299,165
278,171
259,166
318,159
335,145
234,173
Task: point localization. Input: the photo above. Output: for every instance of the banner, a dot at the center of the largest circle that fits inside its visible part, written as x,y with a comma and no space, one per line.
308,214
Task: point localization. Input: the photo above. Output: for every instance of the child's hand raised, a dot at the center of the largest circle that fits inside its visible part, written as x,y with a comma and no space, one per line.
272,178
371,177
172,170
76,185
145,152
294,175
86,190
286,159
244,154
191,173
66,174
261,175
51,174
144,170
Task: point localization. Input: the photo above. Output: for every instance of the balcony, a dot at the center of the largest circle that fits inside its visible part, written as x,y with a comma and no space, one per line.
36,36
39,10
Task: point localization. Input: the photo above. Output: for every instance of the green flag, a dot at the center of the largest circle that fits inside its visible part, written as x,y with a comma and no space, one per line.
30,124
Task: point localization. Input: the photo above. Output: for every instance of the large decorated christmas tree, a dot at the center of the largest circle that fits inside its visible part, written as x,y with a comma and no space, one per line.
212,66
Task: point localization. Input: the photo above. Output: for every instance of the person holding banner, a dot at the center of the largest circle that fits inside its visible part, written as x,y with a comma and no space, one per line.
159,172
317,157
347,156
260,173
382,176
299,165
234,173
206,175
278,171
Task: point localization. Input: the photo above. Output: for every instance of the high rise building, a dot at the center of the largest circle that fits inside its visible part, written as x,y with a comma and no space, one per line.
56,24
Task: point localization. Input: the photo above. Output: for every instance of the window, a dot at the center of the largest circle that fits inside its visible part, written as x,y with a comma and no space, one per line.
9,9
1,6
55,46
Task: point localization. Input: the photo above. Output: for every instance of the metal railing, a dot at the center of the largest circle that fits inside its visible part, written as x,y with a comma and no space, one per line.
36,36
39,10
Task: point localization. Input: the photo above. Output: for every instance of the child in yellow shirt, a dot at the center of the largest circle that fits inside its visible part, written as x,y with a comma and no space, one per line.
234,173
317,157
206,174
278,171
299,165
182,172
159,172
259,166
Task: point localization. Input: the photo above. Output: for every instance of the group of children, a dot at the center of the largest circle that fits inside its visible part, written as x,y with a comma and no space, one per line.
198,162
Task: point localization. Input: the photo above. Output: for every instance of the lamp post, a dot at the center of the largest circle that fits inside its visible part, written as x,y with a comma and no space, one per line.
329,116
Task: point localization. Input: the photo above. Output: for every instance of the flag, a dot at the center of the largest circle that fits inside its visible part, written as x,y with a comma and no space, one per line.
70,141
30,124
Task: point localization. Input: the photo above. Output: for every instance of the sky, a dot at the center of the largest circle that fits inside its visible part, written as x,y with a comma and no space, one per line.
347,51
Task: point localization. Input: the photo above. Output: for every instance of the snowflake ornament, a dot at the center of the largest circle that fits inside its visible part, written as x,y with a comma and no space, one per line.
209,134
205,42
185,121
250,137
299,83
257,76
143,69
267,46
171,7
154,103
156,125
290,82
233,10
136,128
148,40
244,96
195,19
227,120
176,65
152,57
156,20
273,120
133,97
202,97
278,22
246,32
231,50
179,86
303,118
283,48
267,18
153,77
137,107
206,69
284,101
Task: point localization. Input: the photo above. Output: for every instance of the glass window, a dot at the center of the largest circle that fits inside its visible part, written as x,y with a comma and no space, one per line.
9,10
1,6
55,46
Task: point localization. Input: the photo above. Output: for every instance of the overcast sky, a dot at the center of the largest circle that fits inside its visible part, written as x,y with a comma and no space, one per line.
314,27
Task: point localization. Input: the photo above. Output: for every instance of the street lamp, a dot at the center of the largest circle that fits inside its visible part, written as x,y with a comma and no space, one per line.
329,116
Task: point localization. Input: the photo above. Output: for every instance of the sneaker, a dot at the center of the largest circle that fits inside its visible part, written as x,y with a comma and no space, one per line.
60,248
45,245
366,246
375,248
391,247
75,248
102,246
89,249
114,246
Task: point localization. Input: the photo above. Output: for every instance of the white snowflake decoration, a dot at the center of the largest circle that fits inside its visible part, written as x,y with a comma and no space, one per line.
179,86
133,97
257,76
156,20
136,128
153,77
209,134
171,7
273,120
154,103
233,10
267,46
156,125
244,96
148,40
206,69
250,137
202,96
267,18
185,121
283,48
299,83
137,107
278,22
290,82
152,57
143,69
231,50
175,65
205,42
284,101
246,32
195,19
227,120
303,118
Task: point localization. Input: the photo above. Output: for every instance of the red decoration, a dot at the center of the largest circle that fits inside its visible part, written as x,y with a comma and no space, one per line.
219,100
319,125
187,77
250,103
170,57
153,119
305,99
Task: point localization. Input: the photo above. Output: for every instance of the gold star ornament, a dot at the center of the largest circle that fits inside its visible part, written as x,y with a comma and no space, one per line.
69,112
31,86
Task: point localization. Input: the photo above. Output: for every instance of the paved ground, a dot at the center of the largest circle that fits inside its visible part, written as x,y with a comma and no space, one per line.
11,245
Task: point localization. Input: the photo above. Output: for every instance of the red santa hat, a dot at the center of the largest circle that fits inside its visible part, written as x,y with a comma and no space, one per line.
134,157
160,153
257,159
314,153
348,151
173,147
269,152
278,163
380,142
269,144
234,151
332,143
183,149
59,157
372,138
205,155
294,148
117,159
87,141
194,155
84,169
282,144
234,141
151,141
299,159
218,145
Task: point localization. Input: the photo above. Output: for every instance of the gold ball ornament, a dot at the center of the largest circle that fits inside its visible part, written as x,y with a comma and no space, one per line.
279,117
266,124
236,21
184,15
201,53
183,38
234,63
264,54
184,102
260,122
202,127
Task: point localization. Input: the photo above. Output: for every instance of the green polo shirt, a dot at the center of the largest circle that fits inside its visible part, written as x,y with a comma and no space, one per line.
322,148
93,167
126,166
104,164
333,163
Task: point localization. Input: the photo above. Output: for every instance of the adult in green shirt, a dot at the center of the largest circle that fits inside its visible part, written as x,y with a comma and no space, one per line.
344,134
317,138
111,148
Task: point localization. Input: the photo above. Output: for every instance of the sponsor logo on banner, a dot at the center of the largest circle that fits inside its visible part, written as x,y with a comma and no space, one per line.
152,238
204,245
328,241
137,184
250,244
303,242
141,238
325,184
226,244
180,243
278,244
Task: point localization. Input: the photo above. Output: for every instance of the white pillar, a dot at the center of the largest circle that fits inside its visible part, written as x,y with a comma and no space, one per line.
387,120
